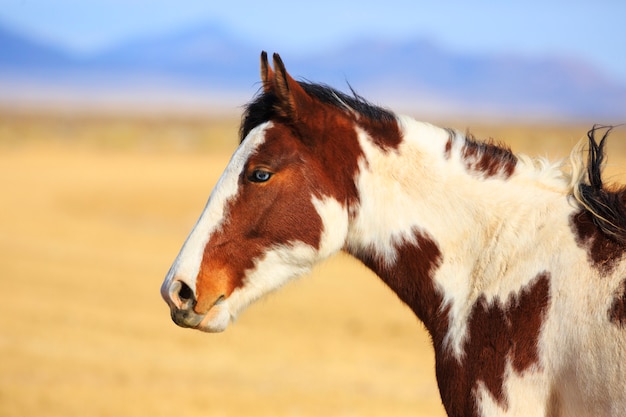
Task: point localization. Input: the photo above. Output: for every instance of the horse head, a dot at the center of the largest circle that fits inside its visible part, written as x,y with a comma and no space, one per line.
281,205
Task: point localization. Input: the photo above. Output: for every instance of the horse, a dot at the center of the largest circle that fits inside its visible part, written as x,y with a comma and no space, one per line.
515,265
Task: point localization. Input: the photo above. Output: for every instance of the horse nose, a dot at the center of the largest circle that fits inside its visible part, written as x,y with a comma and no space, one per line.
182,301
181,295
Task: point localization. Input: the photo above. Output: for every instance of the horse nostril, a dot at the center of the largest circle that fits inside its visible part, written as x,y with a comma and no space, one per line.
184,293
181,295
182,302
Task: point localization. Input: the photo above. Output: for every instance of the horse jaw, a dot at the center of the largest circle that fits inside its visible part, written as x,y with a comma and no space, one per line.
216,319
281,264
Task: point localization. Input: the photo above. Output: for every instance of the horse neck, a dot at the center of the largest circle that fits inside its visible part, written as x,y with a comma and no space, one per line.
426,222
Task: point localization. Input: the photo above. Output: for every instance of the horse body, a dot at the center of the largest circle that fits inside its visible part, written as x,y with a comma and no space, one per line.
522,292
490,305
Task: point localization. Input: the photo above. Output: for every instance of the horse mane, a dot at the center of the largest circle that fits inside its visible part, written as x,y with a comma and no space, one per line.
488,156
607,207
263,107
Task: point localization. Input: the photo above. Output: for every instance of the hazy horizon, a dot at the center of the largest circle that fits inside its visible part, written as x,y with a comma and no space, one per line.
592,32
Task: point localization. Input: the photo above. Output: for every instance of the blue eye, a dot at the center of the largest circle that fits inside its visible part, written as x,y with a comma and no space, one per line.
258,175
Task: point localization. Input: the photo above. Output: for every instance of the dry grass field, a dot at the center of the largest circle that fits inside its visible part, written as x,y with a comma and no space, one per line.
94,208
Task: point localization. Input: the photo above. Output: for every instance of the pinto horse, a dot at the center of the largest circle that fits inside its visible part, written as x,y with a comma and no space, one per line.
515,266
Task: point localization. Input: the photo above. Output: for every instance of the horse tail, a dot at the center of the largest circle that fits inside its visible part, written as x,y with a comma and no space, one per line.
607,207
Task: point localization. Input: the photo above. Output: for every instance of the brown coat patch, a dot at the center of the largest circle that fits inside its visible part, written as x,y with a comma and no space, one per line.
497,333
411,277
448,149
488,158
385,133
617,312
602,251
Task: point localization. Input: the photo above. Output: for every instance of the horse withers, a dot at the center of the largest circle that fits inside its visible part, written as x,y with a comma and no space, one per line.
515,265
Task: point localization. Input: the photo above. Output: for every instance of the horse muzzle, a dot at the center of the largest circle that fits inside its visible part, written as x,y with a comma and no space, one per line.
182,302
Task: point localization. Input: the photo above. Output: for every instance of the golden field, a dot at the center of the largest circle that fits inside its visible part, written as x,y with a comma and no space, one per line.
94,209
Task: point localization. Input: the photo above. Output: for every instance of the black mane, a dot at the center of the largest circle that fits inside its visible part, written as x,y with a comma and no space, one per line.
263,107
607,207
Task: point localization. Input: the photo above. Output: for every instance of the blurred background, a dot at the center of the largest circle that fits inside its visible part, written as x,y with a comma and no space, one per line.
116,119
554,60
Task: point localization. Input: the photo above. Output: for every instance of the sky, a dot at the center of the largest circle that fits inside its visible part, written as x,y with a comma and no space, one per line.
593,30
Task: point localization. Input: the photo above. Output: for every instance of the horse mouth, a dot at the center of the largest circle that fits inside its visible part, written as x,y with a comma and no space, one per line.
215,320
186,318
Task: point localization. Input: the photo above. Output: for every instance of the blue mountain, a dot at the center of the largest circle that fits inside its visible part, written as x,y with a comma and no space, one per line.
19,52
417,74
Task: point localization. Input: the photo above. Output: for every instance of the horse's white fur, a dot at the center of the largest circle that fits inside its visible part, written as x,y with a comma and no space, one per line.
495,237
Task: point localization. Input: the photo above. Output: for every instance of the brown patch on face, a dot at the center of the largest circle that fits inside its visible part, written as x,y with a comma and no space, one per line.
496,334
617,312
330,134
314,156
602,251
325,120
261,216
488,158
216,282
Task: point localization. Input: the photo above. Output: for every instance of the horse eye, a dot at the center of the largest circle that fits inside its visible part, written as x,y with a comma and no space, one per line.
258,175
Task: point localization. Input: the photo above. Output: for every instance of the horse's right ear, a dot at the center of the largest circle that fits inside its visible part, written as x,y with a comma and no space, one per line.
292,100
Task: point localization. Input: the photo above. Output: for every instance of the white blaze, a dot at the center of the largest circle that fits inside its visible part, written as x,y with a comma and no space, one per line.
187,263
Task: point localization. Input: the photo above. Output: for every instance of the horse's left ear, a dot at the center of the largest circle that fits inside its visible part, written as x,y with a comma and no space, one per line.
267,75
292,99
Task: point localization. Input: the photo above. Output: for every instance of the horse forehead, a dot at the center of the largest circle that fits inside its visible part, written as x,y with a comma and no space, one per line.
228,184
249,145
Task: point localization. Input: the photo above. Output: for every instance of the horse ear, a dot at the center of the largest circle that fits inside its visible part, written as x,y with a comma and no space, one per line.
267,75
292,99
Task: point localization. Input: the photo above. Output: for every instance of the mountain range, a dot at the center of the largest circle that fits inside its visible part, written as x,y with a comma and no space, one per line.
212,64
